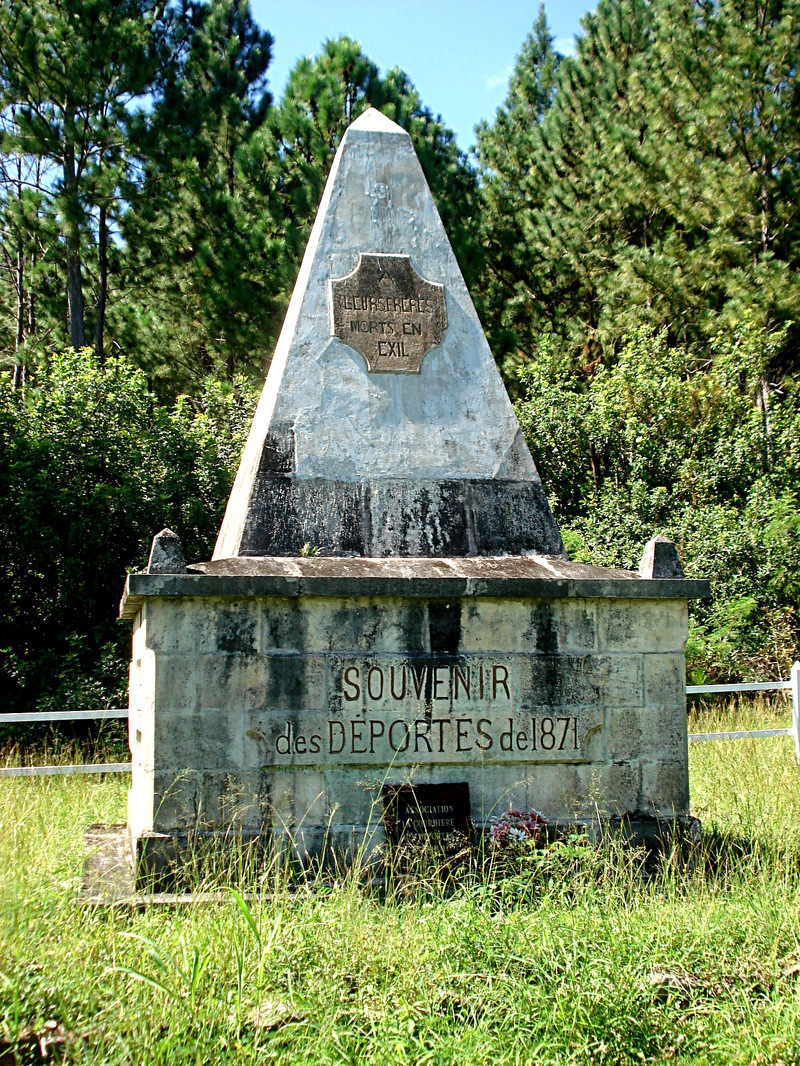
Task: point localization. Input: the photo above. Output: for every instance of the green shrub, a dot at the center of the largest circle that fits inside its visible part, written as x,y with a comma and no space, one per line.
91,467
656,443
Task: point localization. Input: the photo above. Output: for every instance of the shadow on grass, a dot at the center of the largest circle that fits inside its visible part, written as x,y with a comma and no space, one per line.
725,856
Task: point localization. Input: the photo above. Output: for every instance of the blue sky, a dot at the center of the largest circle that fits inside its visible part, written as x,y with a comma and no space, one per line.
458,54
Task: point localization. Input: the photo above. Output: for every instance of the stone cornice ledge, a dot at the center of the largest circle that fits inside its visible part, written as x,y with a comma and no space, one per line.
505,577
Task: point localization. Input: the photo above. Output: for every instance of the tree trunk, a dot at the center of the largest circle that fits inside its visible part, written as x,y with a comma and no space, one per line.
102,285
31,300
593,457
763,403
77,337
20,267
20,338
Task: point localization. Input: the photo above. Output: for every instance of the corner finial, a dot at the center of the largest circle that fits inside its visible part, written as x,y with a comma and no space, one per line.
660,560
166,554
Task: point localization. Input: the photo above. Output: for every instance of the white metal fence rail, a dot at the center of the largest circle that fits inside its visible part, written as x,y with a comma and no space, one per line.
792,684
74,768
756,686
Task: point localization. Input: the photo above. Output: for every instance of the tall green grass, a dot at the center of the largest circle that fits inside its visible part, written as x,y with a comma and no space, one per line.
573,957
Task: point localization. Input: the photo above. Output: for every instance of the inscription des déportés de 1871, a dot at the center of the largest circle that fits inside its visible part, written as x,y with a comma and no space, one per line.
388,313
406,712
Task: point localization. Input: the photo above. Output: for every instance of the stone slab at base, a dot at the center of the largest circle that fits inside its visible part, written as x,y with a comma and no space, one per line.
166,862
278,696
109,880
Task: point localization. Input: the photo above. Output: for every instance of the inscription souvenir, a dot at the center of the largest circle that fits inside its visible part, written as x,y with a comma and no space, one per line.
433,710
433,814
388,313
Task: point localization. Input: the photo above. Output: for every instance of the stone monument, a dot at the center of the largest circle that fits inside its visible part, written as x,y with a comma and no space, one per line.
389,623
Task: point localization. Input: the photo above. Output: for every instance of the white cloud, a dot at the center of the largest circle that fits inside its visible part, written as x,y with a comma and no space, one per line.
495,81
565,45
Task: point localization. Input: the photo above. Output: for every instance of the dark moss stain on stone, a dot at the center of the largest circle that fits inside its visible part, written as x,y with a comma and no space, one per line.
286,682
565,680
236,631
512,516
425,518
278,453
444,622
287,513
416,643
224,667
356,625
542,630
336,702
413,627
285,625
545,676
366,517
444,643
432,518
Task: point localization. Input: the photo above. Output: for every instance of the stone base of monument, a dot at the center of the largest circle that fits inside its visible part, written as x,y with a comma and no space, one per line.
276,699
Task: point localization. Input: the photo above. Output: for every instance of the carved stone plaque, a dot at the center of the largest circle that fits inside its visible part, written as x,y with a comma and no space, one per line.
388,313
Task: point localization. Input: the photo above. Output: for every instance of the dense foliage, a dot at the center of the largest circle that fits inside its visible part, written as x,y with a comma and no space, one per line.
631,238
92,467
655,180
147,180
657,443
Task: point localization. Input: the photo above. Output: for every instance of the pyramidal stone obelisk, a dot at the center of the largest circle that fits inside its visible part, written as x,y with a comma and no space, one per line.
389,640
384,427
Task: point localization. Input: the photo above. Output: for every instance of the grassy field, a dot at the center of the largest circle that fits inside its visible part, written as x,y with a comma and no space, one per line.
573,958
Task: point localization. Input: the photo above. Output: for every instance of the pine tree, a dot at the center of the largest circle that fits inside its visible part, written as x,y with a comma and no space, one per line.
27,237
505,149
724,97
198,269
660,186
69,70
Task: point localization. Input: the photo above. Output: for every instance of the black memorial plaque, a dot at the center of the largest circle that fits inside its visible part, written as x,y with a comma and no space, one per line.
388,313
436,816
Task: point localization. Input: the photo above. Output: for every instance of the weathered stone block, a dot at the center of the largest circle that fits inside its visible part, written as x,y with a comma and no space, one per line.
171,627
660,560
624,737
630,625
365,625
181,802
665,789
608,791
206,738
284,626
166,554
665,734
297,798
557,627
622,625
246,682
554,791
176,683
237,628
422,518
574,625
664,679
560,681
621,680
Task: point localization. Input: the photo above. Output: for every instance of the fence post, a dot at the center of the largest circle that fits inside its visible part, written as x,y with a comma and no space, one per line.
796,709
